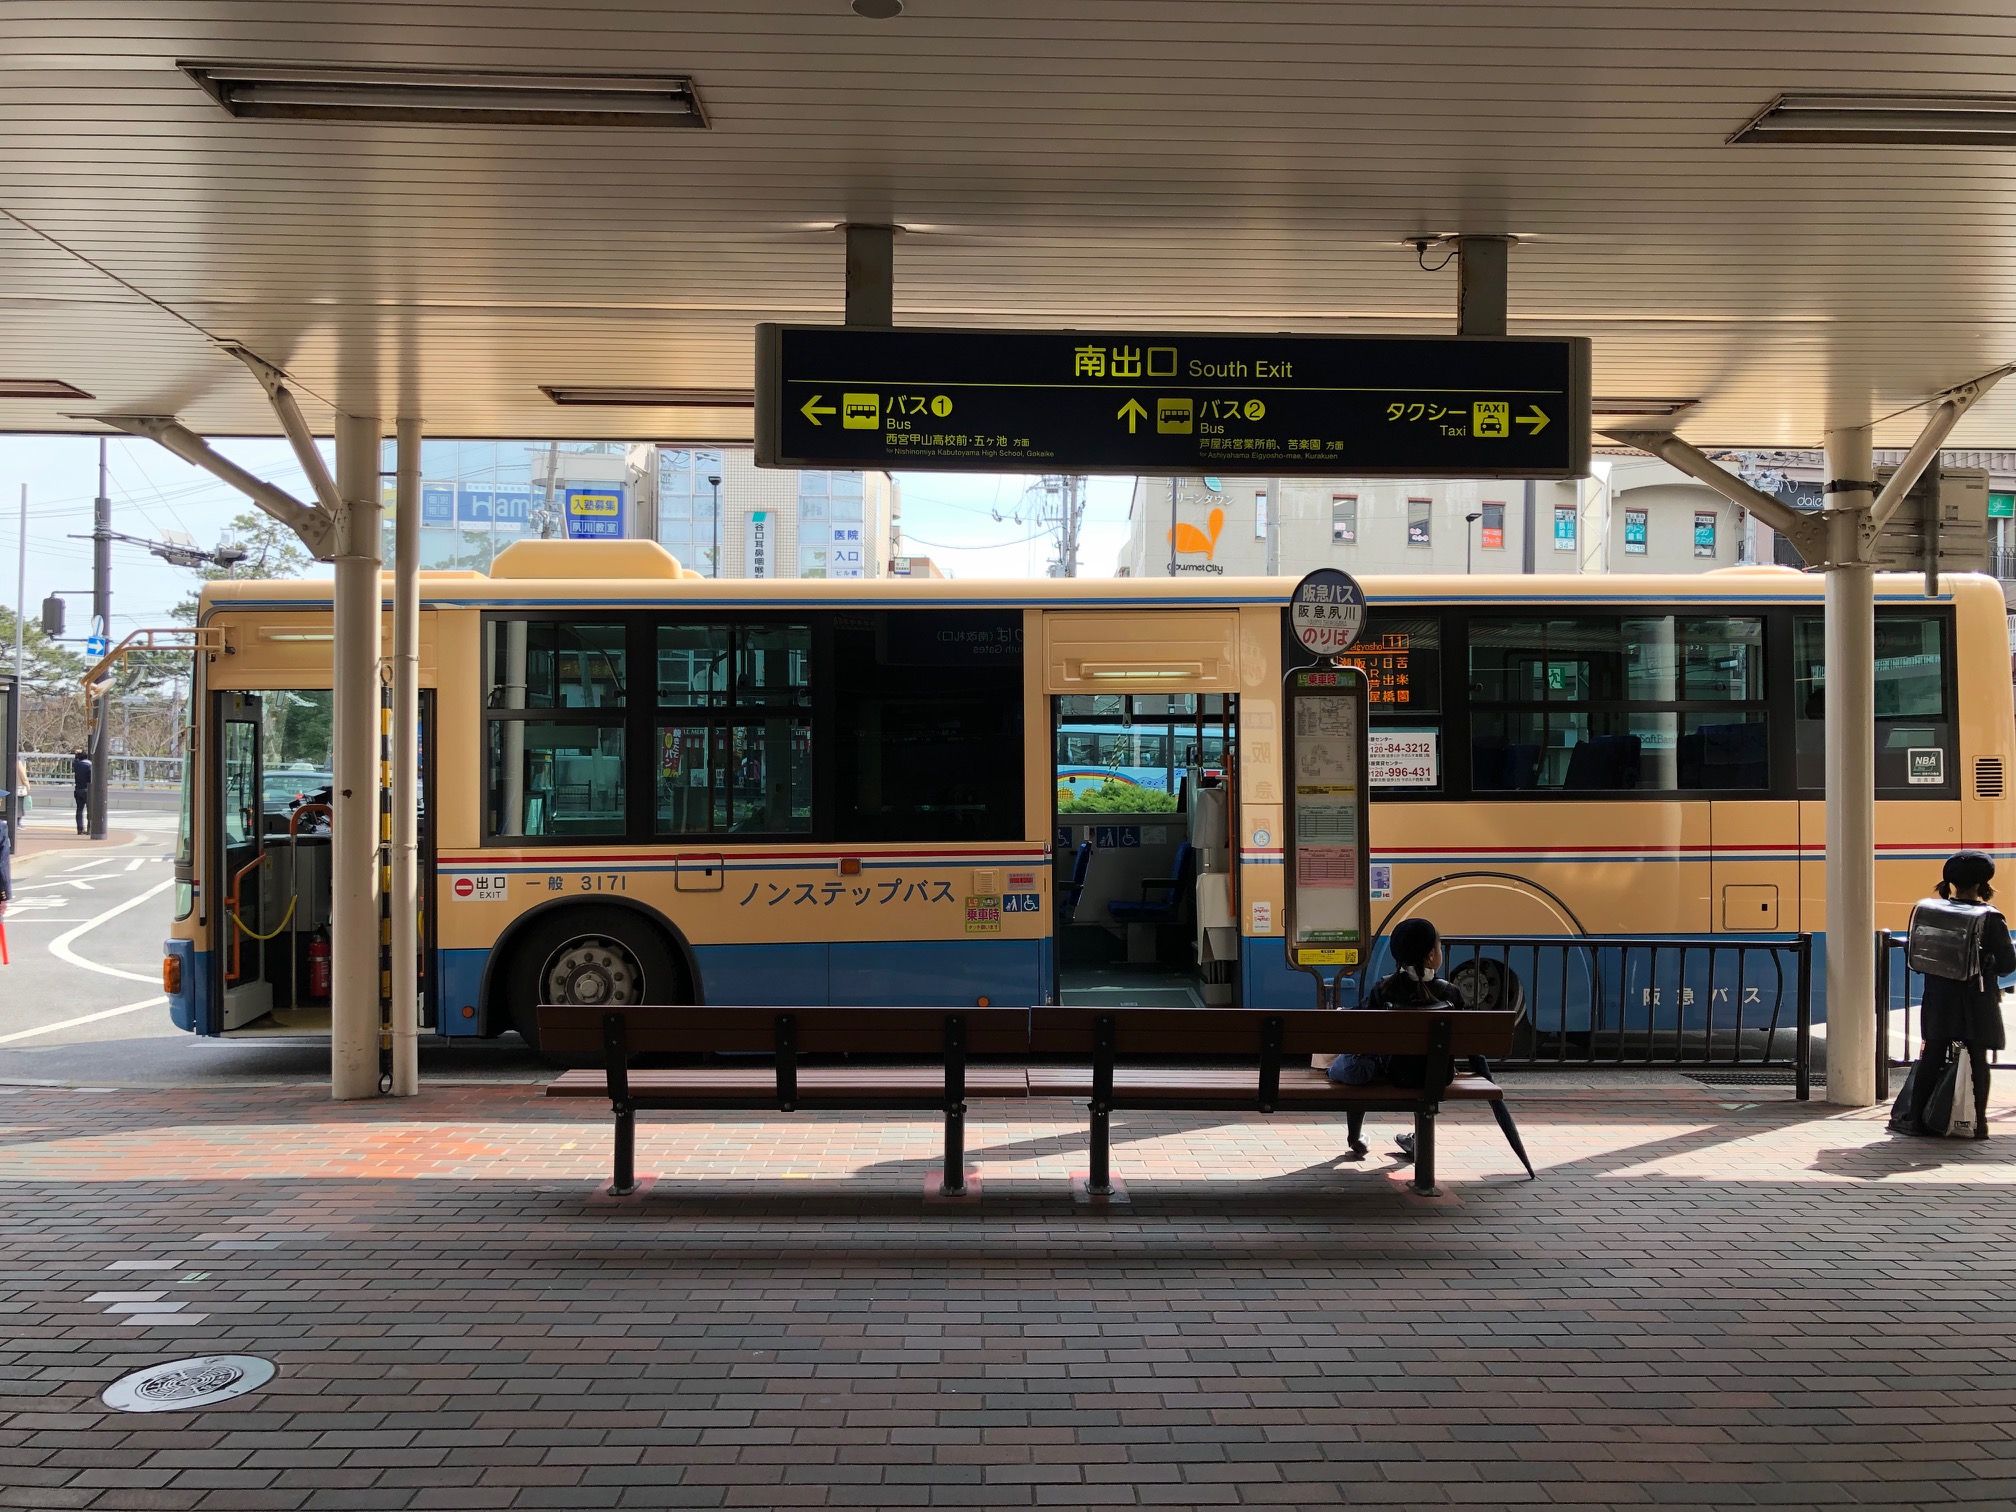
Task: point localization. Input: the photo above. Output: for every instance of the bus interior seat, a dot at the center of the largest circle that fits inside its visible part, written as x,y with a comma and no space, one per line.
1166,909
1503,767
1607,763
1724,756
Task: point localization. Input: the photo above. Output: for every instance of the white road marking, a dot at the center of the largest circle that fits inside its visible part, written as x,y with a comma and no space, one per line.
137,862
87,865
89,1018
60,946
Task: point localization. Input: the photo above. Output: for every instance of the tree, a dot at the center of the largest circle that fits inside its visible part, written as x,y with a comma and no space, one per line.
51,668
271,551
1112,797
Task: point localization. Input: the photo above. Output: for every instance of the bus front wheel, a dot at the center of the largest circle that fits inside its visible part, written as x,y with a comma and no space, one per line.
588,958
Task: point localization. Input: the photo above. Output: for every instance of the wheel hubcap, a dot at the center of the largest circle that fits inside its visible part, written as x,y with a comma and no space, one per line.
592,972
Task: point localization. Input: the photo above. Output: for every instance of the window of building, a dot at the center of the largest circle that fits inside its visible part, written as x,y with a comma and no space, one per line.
1344,517
1418,513
1492,528
1915,746
687,524
1615,704
1637,523
928,726
1704,533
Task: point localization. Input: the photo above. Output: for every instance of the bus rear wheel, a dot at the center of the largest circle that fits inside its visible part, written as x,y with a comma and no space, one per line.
1489,984
588,958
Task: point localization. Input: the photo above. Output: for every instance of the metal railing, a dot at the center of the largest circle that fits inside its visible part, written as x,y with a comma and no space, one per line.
1708,1002
1900,992
125,771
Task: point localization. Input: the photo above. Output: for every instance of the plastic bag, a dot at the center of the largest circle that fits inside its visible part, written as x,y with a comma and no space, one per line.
1960,1119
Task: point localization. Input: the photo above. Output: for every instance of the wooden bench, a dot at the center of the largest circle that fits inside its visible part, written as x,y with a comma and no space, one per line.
948,1034
1281,1043
1285,1081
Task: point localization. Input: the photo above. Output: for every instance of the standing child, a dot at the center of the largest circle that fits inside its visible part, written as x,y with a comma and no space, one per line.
1968,1010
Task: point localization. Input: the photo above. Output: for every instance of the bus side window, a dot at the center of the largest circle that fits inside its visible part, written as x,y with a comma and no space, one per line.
1916,753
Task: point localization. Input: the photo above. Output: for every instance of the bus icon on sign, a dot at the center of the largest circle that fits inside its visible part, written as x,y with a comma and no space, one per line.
1173,417
860,411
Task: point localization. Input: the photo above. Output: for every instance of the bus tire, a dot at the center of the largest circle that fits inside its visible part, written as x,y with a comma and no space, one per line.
592,958
1491,984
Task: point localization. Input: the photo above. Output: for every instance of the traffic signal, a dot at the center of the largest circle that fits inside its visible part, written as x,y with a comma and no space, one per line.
52,617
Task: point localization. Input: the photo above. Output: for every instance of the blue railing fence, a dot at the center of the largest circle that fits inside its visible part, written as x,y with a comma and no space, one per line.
1689,1003
1899,993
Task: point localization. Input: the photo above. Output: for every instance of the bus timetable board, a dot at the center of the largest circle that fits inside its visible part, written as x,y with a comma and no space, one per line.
1329,913
1162,403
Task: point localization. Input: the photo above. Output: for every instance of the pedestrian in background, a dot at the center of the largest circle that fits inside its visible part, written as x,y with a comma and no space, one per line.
80,777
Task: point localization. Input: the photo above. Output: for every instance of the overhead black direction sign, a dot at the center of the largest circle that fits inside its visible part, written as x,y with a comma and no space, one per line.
1091,401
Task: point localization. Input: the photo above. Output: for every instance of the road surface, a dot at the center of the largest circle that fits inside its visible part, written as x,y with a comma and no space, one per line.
81,1002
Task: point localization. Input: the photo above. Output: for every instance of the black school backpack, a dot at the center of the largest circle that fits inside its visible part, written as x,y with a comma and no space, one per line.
1944,939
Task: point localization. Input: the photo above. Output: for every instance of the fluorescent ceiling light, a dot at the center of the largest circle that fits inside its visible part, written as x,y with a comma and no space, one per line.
666,398
1886,120
39,388
1640,406
448,96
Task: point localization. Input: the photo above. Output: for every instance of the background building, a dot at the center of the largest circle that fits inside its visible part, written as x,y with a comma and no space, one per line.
1636,514
477,497
773,522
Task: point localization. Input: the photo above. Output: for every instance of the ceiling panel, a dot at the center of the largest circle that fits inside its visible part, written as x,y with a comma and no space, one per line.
1104,163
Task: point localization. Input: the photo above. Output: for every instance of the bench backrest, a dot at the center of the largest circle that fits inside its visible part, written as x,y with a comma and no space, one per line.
815,1031
1246,1031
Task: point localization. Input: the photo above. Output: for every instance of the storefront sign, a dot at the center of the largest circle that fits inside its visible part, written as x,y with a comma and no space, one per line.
759,545
594,513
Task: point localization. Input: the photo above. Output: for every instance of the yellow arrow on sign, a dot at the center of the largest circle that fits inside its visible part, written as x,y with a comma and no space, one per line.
1132,413
812,409
1538,420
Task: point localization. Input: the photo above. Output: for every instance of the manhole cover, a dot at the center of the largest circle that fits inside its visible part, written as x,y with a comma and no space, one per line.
183,1384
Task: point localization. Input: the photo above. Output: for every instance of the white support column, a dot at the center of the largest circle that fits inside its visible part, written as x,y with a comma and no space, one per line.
353,913
1850,734
406,769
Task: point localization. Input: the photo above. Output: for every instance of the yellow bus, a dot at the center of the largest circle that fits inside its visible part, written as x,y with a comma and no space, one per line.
640,787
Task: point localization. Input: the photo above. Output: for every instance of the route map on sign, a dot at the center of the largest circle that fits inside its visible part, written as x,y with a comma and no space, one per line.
1327,873
1162,403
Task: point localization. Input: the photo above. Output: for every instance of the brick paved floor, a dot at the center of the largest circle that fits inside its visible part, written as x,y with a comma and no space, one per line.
1711,1298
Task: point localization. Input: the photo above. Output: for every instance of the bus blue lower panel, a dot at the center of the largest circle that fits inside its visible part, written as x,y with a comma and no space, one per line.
1603,985
191,1008
881,974
886,974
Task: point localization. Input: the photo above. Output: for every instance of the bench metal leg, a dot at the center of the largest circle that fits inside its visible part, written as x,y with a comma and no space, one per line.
955,1150
626,1153
1099,1176
1424,1154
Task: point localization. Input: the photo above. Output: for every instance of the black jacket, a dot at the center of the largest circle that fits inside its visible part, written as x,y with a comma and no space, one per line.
80,772
1403,991
1971,1010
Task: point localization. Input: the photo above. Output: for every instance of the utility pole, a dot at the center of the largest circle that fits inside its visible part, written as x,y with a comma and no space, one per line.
21,598
101,624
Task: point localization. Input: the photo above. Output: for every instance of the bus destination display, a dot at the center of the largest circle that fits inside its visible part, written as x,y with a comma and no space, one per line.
1160,403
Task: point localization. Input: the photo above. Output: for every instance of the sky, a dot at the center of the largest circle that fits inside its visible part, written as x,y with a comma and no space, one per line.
949,517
